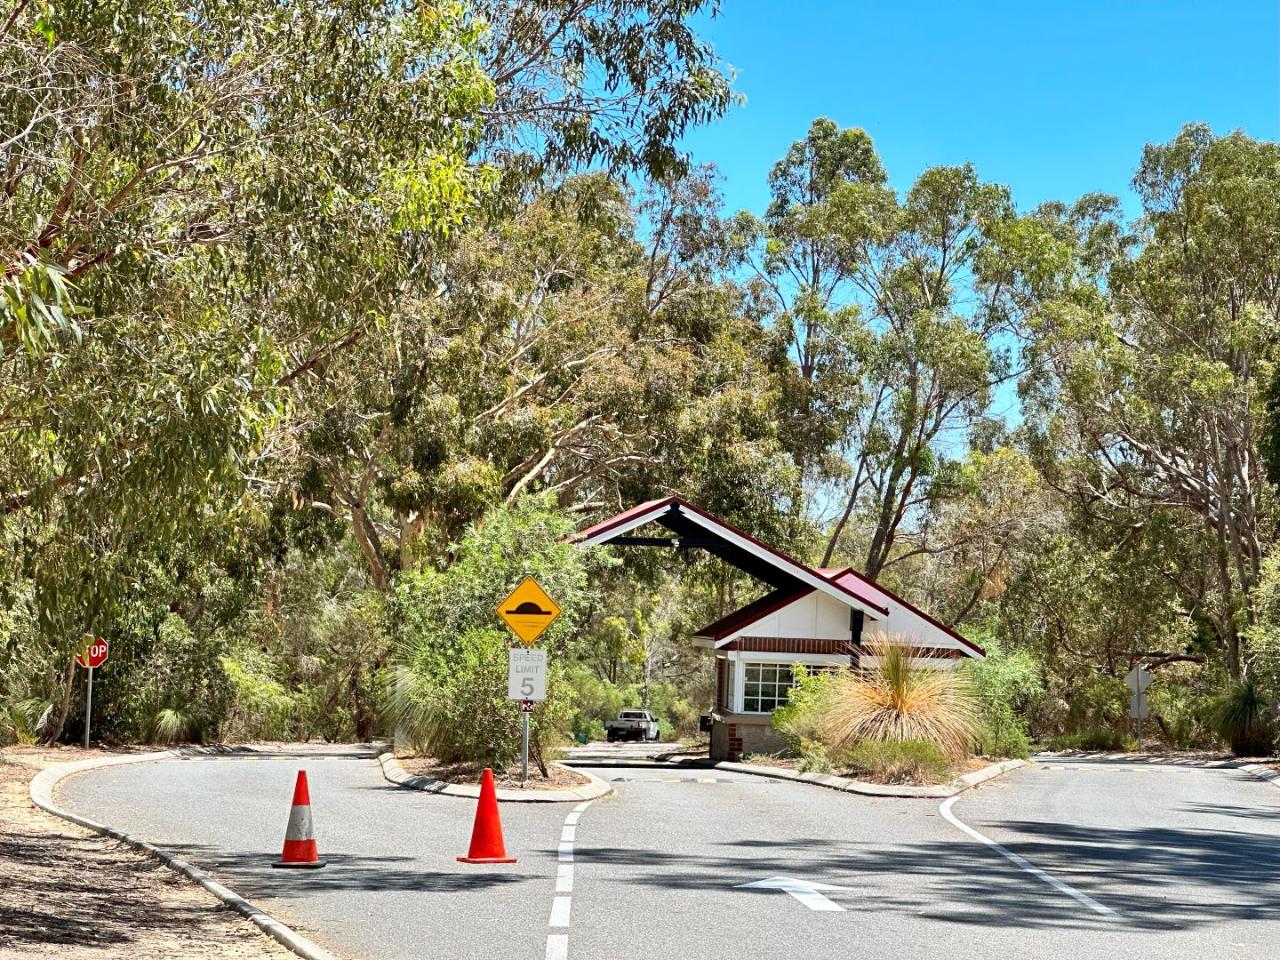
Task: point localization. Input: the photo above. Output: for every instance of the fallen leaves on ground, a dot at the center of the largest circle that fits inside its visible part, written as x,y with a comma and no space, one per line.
68,893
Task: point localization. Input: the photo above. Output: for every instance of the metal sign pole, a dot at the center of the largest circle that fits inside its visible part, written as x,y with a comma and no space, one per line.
1141,711
88,710
524,750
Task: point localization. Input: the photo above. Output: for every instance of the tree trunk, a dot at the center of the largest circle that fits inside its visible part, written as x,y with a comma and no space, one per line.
54,731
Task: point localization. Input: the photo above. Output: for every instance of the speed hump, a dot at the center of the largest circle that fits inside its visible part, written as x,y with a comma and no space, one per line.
528,611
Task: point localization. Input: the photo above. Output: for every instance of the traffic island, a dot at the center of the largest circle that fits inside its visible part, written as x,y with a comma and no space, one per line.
593,789
937,791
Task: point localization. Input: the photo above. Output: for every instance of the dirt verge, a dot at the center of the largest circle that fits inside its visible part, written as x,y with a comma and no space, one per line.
70,893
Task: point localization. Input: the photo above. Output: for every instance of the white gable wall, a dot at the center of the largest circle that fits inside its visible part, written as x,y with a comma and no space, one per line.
904,624
815,616
820,617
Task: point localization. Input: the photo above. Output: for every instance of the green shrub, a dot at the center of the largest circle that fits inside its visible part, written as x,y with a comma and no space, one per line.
171,725
899,700
451,697
1098,702
903,761
1182,714
1006,684
454,706
165,685
799,720
261,708
1243,720
1094,738
586,729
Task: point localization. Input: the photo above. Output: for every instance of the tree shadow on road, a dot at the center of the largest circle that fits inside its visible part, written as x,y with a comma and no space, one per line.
252,875
1155,878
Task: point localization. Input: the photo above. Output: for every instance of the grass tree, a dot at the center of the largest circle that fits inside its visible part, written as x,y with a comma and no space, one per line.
897,700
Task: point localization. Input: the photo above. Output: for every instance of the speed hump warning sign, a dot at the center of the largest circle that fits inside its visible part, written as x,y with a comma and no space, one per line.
528,611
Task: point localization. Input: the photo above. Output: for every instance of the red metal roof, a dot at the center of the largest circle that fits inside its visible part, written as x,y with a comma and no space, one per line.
619,519
850,578
846,580
750,555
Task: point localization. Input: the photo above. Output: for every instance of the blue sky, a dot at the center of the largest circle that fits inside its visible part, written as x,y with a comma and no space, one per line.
1053,99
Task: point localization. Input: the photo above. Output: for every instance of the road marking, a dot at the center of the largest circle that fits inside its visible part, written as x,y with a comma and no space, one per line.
564,878
806,891
560,911
1022,864
562,903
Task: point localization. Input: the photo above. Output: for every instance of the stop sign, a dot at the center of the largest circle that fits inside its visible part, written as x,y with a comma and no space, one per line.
94,655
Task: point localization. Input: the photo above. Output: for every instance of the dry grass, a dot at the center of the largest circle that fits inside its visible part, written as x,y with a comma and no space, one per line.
897,701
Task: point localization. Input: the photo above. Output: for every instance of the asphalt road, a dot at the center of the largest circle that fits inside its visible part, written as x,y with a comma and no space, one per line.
1178,862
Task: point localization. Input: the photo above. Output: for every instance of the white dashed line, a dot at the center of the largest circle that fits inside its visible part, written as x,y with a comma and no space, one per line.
561,905
560,912
1022,864
564,878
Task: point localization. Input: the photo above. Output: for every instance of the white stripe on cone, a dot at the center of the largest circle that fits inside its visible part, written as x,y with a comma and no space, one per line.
299,824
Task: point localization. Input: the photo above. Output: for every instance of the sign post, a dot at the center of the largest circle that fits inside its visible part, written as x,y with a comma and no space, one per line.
93,653
1138,680
528,611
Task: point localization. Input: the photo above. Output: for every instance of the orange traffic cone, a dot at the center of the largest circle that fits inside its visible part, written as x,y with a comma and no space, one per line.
299,844
486,834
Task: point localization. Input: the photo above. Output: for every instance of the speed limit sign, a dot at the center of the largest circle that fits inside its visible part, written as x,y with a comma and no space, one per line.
526,674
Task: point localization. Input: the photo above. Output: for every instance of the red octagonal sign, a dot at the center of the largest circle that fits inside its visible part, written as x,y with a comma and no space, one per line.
93,655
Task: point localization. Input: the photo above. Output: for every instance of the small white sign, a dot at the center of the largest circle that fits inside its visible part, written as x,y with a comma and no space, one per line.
526,674
1138,679
1139,707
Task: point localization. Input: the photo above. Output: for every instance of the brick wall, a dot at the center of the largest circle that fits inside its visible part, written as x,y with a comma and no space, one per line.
740,737
790,645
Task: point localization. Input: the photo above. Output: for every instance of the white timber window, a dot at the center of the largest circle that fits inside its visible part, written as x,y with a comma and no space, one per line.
766,684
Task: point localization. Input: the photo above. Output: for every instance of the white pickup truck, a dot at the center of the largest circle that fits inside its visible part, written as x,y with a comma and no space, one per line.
632,725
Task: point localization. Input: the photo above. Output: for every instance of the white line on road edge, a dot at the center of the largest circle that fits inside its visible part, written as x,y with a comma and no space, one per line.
1036,872
41,790
558,943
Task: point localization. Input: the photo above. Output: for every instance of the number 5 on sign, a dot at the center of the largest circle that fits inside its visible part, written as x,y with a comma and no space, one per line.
526,674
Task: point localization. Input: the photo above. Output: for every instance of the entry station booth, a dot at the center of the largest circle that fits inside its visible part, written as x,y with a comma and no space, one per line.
816,617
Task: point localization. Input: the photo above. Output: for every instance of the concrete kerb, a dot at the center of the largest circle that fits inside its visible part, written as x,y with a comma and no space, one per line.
862,787
1258,770
394,773
41,790
1268,774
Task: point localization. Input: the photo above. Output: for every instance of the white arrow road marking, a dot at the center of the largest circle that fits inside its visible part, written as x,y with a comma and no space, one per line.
1036,872
806,891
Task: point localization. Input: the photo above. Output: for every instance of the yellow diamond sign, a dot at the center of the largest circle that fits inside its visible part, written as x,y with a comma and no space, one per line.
528,610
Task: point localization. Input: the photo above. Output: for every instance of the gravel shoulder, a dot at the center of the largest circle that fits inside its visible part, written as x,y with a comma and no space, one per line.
85,897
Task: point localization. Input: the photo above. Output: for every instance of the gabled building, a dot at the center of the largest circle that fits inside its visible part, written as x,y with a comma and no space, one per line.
819,618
